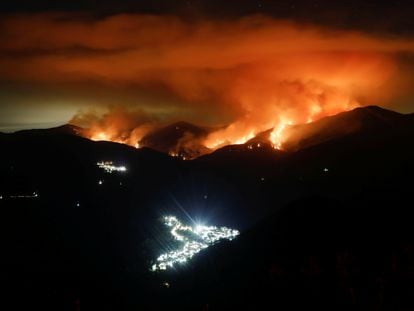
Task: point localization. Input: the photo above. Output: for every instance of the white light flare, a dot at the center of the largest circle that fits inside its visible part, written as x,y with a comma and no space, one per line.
194,240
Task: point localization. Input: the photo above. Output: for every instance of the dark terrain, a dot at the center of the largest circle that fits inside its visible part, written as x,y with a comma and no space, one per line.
325,224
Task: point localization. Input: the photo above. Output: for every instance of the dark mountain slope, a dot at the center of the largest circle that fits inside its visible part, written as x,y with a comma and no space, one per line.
179,139
364,119
327,226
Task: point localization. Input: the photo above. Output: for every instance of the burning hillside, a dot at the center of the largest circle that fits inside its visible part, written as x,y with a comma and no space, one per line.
188,141
237,79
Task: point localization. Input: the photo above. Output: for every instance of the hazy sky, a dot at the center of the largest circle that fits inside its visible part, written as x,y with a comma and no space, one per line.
209,62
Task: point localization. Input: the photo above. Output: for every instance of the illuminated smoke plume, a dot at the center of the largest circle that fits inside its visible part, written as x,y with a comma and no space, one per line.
247,75
117,125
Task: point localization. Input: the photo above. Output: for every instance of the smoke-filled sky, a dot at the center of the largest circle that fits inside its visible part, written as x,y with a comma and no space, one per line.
252,64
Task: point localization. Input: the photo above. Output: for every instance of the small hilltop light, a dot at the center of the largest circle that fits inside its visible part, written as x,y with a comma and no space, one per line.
193,239
326,170
100,182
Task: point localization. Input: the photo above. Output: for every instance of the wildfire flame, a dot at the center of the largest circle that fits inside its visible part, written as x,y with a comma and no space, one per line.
118,125
234,134
102,135
244,77
239,133
276,137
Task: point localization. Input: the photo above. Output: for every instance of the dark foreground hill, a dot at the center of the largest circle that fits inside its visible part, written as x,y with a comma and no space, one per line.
326,226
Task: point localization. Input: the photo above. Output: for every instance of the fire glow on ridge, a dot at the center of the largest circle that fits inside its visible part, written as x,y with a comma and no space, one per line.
194,239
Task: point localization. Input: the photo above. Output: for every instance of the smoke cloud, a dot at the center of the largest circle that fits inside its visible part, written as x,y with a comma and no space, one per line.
252,74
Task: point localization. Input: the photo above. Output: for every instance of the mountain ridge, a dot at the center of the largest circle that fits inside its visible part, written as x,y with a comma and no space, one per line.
184,140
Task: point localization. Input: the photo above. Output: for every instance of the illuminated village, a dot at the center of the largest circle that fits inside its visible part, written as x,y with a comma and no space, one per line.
193,240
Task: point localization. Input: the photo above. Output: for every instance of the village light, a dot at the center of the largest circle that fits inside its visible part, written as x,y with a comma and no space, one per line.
194,239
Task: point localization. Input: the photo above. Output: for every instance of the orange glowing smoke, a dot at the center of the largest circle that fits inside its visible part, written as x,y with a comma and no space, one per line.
117,125
301,89
251,74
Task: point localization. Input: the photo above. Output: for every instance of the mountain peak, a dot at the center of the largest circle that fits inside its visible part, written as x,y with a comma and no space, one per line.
361,119
69,129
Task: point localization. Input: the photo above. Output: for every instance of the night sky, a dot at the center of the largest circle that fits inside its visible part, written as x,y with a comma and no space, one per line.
208,62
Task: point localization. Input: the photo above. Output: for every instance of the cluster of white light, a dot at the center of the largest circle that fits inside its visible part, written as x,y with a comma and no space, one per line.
24,196
109,167
194,240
